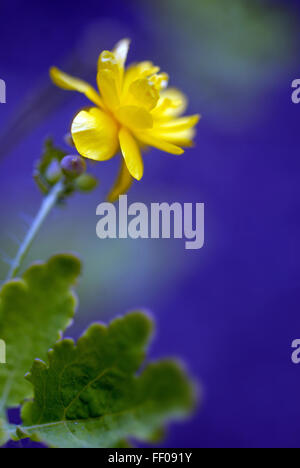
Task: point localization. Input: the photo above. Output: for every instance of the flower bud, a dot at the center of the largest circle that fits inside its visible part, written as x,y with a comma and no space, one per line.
86,183
73,166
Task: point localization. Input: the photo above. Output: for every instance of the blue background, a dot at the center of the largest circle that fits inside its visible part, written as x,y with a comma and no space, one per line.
231,310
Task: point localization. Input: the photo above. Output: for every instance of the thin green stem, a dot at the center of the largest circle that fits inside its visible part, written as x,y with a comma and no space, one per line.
49,202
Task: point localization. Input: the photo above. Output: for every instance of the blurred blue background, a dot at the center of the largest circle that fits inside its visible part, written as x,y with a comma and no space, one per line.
231,310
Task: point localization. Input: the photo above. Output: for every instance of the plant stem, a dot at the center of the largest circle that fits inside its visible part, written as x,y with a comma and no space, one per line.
49,202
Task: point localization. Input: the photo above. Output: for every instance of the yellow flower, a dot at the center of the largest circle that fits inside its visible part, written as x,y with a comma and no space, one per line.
134,108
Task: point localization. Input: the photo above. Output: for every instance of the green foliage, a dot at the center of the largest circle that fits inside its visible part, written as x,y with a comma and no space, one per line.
48,172
48,164
34,311
89,395
4,435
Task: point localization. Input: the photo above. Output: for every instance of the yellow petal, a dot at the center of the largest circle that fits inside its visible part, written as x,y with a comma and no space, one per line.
95,134
172,103
115,61
144,93
177,125
108,61
121,51
122,184
138,71
160,80
183,138
132,154
180,131
108,86
158,143
134,117
65,81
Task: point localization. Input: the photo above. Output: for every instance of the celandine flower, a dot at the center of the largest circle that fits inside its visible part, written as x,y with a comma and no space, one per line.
134,108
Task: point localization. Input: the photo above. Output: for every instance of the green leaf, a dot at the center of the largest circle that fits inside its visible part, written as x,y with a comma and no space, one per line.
4,434
89,396
34,311
51,152
44,170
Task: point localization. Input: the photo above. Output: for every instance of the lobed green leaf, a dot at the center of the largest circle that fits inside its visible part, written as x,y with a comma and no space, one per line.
90,396
34,311
4,432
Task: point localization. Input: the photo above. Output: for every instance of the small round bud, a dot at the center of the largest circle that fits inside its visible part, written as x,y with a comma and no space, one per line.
86,183
73,166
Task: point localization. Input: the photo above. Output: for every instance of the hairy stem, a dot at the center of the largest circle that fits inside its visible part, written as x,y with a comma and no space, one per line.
49,202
